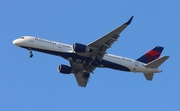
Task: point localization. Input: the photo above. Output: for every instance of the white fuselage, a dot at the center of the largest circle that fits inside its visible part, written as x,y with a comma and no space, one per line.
64,50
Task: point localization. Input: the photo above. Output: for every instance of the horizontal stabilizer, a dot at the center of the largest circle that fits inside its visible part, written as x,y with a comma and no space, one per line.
156,63
149,76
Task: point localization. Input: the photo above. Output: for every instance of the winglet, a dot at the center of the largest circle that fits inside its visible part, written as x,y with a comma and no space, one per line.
129,21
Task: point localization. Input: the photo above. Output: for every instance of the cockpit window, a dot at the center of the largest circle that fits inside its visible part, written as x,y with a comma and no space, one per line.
21,37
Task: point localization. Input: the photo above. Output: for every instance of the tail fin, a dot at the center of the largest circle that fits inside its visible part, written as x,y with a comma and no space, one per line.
151,55
154,64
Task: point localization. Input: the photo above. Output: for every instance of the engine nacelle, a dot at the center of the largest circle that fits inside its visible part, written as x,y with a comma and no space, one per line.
64,69
77,47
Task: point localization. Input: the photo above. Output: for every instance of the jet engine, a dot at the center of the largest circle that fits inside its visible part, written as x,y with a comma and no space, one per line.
77,47
64,69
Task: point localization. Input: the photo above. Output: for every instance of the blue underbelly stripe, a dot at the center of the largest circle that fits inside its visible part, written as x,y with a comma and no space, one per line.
75,57
115,66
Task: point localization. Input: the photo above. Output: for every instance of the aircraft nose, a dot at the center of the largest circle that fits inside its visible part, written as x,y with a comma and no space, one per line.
15,42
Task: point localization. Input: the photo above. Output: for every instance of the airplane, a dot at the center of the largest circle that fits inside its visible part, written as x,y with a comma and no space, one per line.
85,58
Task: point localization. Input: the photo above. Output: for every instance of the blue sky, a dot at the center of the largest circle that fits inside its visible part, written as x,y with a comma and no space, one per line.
34,84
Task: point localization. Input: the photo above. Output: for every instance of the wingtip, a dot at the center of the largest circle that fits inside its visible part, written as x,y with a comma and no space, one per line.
129,21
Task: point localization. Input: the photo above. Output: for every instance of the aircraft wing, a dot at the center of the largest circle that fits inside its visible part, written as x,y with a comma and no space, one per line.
105,42
81,80
81,73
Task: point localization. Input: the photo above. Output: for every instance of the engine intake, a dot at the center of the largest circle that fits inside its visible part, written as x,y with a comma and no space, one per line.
81,48
64,69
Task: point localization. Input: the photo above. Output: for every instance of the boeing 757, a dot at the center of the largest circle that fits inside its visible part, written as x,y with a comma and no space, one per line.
85,58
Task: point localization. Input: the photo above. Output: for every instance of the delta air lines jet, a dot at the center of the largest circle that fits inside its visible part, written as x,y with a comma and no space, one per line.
84,59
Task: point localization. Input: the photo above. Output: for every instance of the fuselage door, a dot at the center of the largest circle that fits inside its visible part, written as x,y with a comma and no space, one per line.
60,46
136,64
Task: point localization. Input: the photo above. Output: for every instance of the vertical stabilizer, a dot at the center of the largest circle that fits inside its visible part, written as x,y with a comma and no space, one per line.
151,55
